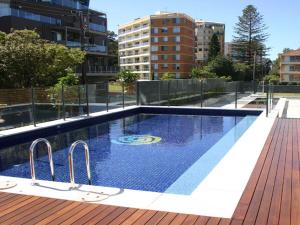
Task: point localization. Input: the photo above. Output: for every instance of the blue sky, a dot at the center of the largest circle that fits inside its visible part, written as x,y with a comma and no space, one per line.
282,17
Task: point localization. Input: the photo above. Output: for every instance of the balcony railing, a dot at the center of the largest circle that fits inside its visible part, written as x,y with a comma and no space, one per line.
94,69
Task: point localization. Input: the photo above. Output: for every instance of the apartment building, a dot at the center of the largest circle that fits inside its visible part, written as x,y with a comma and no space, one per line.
61,21
290,66
204,32
156,44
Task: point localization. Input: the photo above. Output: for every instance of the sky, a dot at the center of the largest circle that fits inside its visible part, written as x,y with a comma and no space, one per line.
281,16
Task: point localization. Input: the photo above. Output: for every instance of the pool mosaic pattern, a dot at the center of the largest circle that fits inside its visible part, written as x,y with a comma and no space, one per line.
159,167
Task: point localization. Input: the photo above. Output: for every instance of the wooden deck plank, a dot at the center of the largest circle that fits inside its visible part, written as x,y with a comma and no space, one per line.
271,196
264,207
77,216
126,214
156,218
295,207
273,217
102,215
285,211
145,217
245,200
190,219
84,219
255,202
39,216
26,210
167,219
110,217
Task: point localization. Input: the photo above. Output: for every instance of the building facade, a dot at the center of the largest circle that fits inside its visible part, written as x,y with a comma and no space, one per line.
63,21
158,44
290,66
204,32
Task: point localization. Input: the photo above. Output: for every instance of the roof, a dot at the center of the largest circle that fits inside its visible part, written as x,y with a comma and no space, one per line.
292,52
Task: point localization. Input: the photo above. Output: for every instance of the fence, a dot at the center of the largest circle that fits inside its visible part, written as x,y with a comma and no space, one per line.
21,107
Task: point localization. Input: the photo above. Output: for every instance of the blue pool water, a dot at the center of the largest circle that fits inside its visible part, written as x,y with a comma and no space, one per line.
159,153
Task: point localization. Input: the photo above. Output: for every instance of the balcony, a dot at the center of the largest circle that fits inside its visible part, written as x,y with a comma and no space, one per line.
96,70
134,47
97,27
132,31
136,38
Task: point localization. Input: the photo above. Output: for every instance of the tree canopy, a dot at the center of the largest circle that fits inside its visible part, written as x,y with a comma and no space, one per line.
27,60
250,35
214,47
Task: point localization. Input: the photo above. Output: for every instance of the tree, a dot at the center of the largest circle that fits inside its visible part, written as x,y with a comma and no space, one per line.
128,77
214,47
250,36
243,72
202,73
27,60
221,66
167,76
113,47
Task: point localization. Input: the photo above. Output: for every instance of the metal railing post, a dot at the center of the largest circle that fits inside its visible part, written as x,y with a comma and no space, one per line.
201,93
107,95
123,95
87,100
63,101
169,93
33,106
159,97
236,93
267,100
137,84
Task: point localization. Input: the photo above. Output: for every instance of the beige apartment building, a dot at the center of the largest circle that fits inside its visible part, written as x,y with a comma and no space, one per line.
156,44
290,66
204,31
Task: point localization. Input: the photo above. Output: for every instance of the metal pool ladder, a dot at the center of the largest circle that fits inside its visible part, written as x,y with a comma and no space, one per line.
31,158
87,161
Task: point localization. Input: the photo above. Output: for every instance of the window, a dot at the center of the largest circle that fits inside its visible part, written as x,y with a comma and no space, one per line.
164,48
165,21
176,48
176,20
176,66
164,30
177,75
154,48
176,30
176,57
164,57
154,39
155,66
165,39
177,39
154,57
164,66
154,30
155,76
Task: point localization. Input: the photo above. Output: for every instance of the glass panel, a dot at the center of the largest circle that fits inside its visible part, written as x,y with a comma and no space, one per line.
130,94
48,104
97,97
15,108
115,95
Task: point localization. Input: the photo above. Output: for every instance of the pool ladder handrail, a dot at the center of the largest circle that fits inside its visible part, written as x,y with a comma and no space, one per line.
31,158
87,161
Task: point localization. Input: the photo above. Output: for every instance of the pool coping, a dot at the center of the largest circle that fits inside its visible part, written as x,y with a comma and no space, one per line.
206,199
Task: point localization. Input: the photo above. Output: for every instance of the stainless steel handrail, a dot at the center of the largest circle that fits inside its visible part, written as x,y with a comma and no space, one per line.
31,158
87,161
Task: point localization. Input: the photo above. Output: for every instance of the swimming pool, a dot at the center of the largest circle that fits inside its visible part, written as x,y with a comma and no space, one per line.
164,153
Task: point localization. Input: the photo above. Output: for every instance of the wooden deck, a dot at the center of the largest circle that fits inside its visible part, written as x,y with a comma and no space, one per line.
271,195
